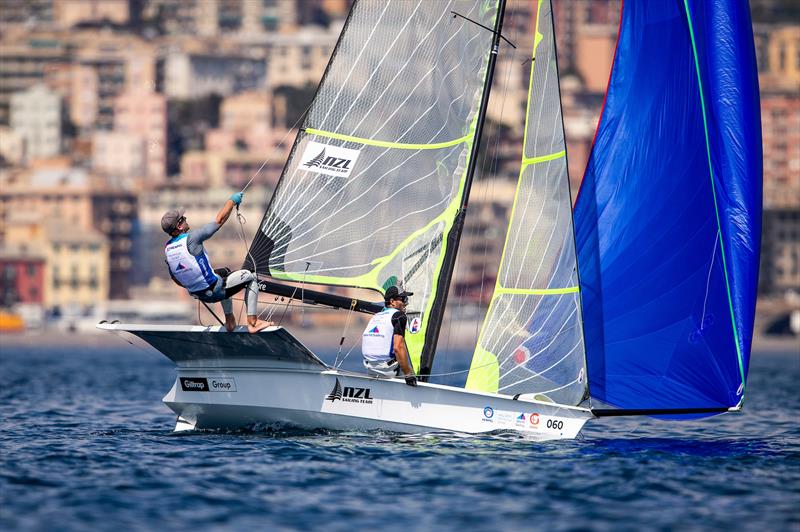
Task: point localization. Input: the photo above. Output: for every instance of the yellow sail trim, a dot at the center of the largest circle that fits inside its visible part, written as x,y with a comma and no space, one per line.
536,291
387,144
526,161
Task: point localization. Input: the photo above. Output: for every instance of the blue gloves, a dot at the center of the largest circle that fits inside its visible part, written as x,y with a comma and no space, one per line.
237,198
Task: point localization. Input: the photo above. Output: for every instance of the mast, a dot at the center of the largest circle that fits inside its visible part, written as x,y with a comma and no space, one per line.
454,236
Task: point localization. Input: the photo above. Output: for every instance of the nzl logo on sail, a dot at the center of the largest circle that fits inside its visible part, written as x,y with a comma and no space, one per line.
349,394
328,160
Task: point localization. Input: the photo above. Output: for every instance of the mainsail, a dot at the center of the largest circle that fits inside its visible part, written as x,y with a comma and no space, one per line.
669,213
376,177
531,341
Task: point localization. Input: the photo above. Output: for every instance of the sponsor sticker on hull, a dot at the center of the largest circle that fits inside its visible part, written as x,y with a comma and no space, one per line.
349,394
210,384
221,385
194,384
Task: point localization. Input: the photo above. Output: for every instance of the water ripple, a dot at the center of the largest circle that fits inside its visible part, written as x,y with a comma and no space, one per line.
86,443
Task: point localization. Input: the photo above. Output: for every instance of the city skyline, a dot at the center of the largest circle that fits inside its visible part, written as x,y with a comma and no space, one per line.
113,111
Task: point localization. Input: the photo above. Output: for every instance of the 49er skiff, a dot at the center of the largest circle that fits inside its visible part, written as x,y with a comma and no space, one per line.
375,192
233,380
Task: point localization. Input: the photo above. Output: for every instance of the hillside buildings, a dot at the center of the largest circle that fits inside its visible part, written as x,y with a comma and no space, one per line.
76,204
112,111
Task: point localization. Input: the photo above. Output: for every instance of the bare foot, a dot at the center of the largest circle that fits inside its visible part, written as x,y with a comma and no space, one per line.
230,322
259,326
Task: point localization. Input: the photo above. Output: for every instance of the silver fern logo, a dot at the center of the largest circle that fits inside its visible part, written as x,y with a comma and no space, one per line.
328,159
336,393
349,394
316,161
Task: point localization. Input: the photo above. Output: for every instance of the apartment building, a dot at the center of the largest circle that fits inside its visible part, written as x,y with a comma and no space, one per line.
144,114
36,118
23,63
82,203
119,153
780,251
68,13
189,75
75,269
22,272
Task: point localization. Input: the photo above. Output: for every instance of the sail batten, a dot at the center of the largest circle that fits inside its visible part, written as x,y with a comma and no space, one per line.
386,143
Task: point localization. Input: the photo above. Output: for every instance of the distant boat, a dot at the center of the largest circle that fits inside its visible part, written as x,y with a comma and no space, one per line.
375,192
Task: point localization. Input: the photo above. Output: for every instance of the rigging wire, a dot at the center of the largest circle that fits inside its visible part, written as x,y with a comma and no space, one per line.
293,294
292,129
344,331
209,309
239,216
242,221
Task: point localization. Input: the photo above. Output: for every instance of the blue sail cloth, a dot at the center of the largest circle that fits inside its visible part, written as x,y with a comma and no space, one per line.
668,218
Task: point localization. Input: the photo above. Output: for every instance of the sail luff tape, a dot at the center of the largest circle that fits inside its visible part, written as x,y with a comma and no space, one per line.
385,143
542,158
537,291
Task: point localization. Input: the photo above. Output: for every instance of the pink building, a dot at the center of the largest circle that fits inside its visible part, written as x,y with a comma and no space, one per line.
145,114
119,154
83,95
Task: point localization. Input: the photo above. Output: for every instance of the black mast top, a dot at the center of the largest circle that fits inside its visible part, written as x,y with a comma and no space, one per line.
454,236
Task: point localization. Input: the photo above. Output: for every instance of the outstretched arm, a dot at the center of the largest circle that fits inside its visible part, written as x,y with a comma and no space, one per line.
225,212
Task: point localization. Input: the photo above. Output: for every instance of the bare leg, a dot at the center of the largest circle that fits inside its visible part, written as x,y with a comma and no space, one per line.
227,309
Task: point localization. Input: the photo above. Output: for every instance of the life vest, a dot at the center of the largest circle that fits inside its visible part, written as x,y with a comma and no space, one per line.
377,340
194,273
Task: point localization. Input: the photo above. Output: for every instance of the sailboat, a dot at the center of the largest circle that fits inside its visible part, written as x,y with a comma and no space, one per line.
638,302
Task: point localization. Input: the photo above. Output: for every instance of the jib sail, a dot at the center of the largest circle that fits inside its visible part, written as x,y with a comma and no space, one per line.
531,341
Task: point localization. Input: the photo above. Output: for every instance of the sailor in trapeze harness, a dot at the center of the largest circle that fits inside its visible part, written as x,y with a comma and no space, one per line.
383,342
190,267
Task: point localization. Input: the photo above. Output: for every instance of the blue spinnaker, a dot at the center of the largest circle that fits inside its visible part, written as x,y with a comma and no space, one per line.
668,218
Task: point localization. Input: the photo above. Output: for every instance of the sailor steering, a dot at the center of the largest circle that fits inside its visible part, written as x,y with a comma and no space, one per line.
190,267
383,342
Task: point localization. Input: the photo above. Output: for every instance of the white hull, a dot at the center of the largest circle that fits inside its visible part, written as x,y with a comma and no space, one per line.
218,387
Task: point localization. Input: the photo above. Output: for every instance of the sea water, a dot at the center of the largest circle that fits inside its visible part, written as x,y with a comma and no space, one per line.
85,443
